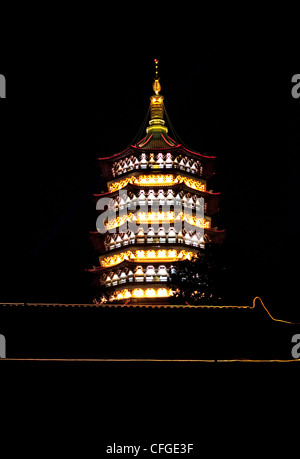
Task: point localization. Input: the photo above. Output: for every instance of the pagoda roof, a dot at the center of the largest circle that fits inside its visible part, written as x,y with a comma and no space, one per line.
158,142
177,187
157,137
140,147
136,150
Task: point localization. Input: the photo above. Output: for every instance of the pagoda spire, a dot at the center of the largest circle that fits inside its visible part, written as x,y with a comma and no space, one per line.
156,85
157,100
156,132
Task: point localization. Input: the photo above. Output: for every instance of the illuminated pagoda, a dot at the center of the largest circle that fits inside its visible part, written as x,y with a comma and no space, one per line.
160,210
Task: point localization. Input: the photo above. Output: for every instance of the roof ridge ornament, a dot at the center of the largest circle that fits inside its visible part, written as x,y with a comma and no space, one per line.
156,85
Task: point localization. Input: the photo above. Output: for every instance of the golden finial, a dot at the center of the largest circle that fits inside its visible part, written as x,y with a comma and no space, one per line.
156,61
156,85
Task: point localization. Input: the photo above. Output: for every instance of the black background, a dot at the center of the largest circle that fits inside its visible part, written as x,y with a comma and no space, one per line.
77,90
73,98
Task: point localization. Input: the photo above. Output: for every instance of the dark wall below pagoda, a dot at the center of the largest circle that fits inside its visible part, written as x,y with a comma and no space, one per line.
78,332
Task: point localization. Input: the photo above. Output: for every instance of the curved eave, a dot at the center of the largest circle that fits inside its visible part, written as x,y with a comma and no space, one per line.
102,269
183,186
126,263
206,175
187,150
124,153
175,147
116,155
132,247
140,246
105,162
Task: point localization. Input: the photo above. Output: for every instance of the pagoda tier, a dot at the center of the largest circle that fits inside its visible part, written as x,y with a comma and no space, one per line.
172,159
132,195
157,179
112,242
158,210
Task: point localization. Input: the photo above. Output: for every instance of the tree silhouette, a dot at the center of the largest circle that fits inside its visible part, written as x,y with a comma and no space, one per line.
199,280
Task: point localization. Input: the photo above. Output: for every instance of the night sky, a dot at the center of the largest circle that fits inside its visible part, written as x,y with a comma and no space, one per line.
78,87
72,99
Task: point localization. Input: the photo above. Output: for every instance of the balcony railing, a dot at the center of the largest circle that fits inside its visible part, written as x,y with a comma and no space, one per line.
157,162
145,239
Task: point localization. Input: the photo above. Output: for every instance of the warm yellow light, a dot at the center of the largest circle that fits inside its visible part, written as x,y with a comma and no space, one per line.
115,259
148,217
193,220
162,254
119,184
192,183
145,217
118,221
121,295
163,292
138,292
142,293
161,179
153,255
150,292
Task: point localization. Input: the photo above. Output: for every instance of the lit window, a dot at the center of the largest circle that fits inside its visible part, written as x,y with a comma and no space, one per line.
150,292
138,292
162,292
